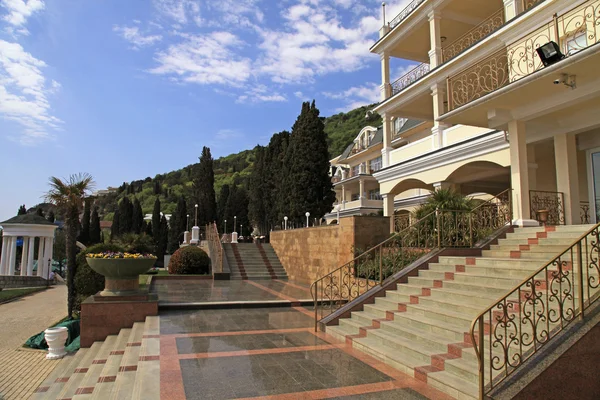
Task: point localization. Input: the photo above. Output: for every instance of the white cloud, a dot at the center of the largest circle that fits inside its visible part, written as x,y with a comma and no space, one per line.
204,59
137,39
228,134
18,13
179,11
260,94
299,95
24,93
356,96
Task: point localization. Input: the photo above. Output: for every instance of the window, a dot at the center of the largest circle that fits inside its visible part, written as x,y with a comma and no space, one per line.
398,124
576,42
355,170
375,195
355,196
375,164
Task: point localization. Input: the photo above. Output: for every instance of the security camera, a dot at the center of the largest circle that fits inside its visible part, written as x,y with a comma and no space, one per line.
557,81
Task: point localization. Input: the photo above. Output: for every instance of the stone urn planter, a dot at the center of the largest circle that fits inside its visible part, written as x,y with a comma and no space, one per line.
56,338
543,216
121,274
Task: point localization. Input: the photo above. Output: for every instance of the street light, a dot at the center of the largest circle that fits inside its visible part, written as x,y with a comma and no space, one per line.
196,217
285,223
241,230
187,224
235,223
225,226
307,215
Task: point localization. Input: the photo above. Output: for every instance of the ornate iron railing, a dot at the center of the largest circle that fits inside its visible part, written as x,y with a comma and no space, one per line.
215,247
410,77
439,229
404,13
574,30
528,4
518,325
584,212
401,222
489,25
551,204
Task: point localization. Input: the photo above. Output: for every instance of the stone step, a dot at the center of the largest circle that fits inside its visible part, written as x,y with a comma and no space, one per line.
482,280
536,248
453,385
444,311
496,261
438,344
57,379
147,384
105,386
87,385
452,331
401,347
123,388
373,347
78,374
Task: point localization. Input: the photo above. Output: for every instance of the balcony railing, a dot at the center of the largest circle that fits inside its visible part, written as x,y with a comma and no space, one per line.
584,213
491,24
551,204
520,58
528,4
405,13
410,77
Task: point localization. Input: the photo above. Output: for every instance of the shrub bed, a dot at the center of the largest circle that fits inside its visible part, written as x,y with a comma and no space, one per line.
189,260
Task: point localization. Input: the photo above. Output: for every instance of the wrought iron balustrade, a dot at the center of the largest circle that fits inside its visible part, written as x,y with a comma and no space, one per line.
584,212
439,229
528,4
404,13
514,328
410,77
520,58
215,247
551,202
489,25
401,222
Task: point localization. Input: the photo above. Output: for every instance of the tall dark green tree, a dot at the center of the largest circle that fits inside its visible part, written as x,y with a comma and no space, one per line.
236,210
95,231
22,210
138,217
177,225
156,220
275,177
115,229
204,188
257,209
149,229
307,184
40,212
125,215
50,217
222,203
84,234
163,240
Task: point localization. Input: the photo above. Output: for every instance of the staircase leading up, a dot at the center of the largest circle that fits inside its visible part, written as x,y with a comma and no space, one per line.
124,366
422,328
253,261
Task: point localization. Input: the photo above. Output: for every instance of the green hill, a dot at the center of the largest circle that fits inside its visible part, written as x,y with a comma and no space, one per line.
235,169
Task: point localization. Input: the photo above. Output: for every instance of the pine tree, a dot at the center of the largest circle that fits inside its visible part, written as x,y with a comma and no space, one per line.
163,239
223,196
115,229
138,217
307,184
95,231
51,216
22,210
125,215
204,188
84,234
156,220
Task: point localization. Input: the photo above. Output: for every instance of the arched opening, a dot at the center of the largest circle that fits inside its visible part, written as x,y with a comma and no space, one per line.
480,177
409,184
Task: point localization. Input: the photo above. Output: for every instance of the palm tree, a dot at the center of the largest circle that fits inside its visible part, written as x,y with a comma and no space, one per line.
68,196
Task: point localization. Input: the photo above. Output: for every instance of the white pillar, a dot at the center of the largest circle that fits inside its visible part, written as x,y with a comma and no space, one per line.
385,88
438,94
512,8
387,140
567,179
31,248
4,255
50,254
343,197
519,174
388,208
361,186
24,254
40,266
435,36
13,255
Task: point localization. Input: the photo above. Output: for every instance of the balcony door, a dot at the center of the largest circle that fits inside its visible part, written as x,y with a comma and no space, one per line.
594,184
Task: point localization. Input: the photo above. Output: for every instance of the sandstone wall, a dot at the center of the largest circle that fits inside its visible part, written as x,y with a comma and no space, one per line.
309,253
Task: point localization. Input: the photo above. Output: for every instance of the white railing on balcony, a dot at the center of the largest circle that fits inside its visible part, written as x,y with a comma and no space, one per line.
405,13
410,77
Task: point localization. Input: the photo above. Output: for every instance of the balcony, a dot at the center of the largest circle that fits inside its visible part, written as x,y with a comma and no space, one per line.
404,13
574,30
409,78
360,203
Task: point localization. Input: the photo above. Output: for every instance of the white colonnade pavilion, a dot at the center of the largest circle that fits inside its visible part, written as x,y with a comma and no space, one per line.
28,227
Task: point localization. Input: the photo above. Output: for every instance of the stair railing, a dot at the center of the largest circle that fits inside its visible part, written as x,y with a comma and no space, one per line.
215,247
519,324
439,229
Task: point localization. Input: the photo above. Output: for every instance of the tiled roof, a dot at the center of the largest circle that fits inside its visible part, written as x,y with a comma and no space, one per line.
28,219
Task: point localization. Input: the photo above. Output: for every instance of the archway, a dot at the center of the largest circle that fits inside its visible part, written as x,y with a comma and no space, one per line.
480,177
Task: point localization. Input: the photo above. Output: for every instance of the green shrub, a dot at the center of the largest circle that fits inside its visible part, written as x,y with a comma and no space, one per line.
87,281
134,243
189,260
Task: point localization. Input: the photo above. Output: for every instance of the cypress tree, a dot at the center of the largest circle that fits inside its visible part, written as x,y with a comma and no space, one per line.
149,228
125,215
22,210
177,225
115,229
40,212
95,230
275,176
223,196
51,216
156,220
307,184
84,234
163,240
138,217
204,188
257,209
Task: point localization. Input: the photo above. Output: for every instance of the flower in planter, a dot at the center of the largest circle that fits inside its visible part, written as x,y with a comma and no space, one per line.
119,255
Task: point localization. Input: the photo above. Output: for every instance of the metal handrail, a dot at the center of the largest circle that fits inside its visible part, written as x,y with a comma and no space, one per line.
215,246
545,303
409,78
404,13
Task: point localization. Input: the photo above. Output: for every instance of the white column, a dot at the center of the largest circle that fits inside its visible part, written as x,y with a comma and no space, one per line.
385,88
512,8
4,255
567,180
30,256
13,255
40,267
438,95
24,254
519,174
361,186
388,208
50,254
435,36
387,140
343,197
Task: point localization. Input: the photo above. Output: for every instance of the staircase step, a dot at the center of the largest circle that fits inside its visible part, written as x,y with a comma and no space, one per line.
453,385
147,386
89,381
60,375
124,383
375,348
106,384
78,374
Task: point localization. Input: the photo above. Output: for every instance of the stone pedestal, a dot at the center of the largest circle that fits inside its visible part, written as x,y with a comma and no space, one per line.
195,235
102,316
234,237
186,237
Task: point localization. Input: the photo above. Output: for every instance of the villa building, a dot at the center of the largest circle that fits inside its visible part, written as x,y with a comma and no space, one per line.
495,115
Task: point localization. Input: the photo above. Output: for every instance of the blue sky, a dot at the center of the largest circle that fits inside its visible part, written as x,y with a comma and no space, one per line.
129,89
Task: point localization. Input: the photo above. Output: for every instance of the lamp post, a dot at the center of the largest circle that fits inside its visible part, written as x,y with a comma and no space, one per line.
241,230
285,223
235,223
196,217
187,224
307,215
225,226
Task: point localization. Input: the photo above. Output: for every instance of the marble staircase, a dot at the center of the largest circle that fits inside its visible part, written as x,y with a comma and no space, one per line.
253,261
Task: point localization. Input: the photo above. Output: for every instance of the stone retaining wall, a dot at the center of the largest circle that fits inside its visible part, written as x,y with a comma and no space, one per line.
10,282
309,253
